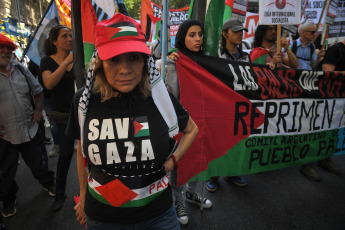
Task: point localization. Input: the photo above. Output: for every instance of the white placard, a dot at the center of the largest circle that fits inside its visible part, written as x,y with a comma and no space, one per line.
274,12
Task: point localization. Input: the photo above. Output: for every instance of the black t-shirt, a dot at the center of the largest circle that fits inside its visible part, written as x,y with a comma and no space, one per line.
128,183
335,55
63,92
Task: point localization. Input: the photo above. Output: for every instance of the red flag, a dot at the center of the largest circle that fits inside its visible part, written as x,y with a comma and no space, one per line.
211,105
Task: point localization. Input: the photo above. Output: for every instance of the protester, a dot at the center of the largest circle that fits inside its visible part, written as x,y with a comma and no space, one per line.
189,38
155,47
231,38
47,105
304,49
21,102
124,126
264,51
334,58
57,75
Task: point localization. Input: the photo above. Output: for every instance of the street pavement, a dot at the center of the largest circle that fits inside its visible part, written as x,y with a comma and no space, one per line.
278,200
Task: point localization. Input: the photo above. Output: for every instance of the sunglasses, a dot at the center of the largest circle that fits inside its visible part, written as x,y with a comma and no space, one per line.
272,28
312,32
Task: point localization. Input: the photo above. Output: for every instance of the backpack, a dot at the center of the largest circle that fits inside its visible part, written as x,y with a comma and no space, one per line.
294,50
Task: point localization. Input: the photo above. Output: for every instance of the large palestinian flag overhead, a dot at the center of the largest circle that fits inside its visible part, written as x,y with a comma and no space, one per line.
253,119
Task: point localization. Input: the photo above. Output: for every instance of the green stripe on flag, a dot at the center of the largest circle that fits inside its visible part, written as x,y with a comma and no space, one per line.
144,131
227,13
260,60
264,153
130,204
88,51
213,27
125,33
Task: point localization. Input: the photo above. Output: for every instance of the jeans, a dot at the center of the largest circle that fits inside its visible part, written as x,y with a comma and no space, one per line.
167,220
65,157
31,154
54,127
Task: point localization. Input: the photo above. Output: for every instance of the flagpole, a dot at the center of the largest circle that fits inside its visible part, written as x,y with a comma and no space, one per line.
164,34
37,27
77,43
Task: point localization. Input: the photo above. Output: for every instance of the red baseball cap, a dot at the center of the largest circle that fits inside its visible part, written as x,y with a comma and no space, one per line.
6,41
119,34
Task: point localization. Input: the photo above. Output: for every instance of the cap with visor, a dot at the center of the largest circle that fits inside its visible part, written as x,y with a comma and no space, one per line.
117,35
234,25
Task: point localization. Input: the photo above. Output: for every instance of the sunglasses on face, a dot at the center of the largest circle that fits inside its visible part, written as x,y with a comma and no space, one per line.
312,32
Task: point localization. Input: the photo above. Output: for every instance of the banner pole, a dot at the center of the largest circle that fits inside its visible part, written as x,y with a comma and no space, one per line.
77,44
323,10
325,37
203,196
279,33
164,37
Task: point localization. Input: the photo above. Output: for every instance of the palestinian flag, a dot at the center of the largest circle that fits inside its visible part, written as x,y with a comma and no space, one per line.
259,55
115,193
141,127
228,9
253,119
210,15
211,104
150,19
121,29
92,13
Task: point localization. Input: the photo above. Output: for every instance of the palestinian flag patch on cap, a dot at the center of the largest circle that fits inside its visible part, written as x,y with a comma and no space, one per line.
121,29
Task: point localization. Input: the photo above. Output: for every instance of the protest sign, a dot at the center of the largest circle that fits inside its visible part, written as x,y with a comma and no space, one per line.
253,119
331,12
275,12
239,10
336,31
150,19
313,12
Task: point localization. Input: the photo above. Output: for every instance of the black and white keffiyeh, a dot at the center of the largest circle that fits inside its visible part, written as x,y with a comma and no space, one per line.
160,97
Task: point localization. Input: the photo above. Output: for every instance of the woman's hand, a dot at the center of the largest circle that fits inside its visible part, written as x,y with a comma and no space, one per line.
174,56
69,59
80,213
169,165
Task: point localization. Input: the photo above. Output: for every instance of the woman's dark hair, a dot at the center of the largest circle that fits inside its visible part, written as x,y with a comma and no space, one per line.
182,33
259,35
49,47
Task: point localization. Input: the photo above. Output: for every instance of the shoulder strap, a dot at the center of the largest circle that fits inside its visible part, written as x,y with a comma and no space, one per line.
21,70
312,48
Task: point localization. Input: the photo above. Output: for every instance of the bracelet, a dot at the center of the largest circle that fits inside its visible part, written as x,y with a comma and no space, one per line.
172,156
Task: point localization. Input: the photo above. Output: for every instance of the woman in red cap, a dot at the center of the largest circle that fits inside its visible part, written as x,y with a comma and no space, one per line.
124,119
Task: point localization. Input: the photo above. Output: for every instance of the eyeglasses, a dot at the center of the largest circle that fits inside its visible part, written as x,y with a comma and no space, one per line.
312,32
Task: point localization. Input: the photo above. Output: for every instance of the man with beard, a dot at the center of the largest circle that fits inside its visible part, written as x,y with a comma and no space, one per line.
264,51
21,101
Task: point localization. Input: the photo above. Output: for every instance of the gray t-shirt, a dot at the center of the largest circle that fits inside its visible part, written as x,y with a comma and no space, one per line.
15,103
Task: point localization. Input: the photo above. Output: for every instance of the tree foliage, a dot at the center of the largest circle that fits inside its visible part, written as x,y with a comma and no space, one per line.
133,6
